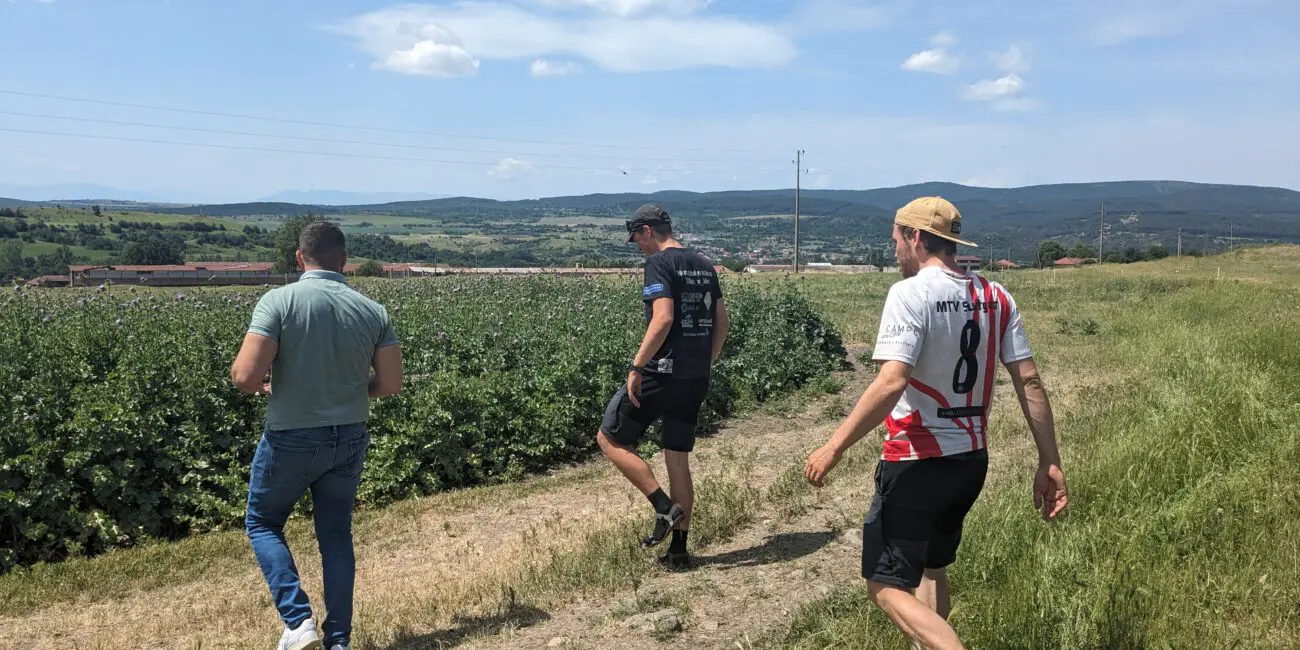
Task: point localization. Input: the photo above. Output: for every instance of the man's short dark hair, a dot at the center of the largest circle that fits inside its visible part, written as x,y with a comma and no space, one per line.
653,216
322,243
934,244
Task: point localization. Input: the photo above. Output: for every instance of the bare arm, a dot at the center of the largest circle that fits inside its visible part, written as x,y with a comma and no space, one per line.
661,322
387,379
1037,409
253,362
721,324
872,408
1050,494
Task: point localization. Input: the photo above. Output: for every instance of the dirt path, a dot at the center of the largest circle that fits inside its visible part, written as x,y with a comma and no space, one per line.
739,588
805,546
432,570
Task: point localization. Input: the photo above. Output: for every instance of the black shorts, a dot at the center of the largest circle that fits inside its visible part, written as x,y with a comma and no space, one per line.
676,400
916,516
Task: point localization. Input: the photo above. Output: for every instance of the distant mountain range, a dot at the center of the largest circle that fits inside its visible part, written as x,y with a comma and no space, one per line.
1144,210
340,197
86,192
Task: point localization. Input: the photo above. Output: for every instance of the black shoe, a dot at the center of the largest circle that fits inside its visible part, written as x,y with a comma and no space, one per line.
676,561
664,523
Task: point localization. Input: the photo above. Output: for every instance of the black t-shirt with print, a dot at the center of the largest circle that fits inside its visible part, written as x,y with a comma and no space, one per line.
691,281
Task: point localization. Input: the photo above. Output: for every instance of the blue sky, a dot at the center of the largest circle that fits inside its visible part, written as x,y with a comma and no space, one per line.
529,98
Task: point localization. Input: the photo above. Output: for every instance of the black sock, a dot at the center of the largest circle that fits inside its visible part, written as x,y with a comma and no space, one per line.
660,501
678,545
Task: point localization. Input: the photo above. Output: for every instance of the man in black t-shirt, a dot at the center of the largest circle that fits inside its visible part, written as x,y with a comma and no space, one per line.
669,377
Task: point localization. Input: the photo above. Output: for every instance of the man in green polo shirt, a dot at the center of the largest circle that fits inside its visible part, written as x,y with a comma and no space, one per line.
319,339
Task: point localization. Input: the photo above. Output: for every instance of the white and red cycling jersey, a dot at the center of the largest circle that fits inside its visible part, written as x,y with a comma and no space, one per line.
952,329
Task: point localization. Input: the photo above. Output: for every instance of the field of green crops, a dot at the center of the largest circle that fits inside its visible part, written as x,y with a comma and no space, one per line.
118,422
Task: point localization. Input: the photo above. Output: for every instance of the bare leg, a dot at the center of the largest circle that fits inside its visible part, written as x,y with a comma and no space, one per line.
916,620
933,593
679,483
636,470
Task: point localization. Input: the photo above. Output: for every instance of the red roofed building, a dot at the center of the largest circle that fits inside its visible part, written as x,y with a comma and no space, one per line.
48,281
1075,261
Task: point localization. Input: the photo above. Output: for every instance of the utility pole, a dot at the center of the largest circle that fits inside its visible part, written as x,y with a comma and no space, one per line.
798,172
1101,236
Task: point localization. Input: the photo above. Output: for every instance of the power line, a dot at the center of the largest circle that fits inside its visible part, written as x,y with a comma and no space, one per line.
363,142
366,128
309,153
274,150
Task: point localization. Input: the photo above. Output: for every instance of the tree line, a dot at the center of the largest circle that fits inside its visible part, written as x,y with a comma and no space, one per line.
1050,251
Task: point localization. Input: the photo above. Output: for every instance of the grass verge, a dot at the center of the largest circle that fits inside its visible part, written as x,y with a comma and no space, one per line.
118,573
1182,529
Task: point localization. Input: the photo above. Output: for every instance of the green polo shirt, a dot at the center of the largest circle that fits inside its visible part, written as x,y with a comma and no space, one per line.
327,333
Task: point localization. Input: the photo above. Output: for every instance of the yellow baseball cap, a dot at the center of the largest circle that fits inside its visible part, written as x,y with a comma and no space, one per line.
935,215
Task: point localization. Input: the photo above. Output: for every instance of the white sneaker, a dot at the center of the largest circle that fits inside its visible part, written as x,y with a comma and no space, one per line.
303,638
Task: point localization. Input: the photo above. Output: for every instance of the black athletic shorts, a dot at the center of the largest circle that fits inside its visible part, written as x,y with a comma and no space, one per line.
915,520
676,400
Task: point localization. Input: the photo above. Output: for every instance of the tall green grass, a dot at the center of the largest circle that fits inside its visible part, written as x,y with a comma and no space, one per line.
1183,459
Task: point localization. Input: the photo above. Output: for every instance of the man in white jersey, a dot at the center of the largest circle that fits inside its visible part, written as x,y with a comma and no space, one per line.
941,333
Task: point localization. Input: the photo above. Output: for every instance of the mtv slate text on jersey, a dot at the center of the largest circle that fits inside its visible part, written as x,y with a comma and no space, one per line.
955,306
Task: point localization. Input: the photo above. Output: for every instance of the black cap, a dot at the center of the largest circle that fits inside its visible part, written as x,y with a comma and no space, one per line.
647,215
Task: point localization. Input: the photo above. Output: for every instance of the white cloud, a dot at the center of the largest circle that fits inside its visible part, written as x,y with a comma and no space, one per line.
650,179
464,33
937,61
988,90
545,68
437,53
1011,61
626,8
509,168
1005,93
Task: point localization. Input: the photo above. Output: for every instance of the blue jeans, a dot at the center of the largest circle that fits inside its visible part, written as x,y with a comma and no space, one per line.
328,461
